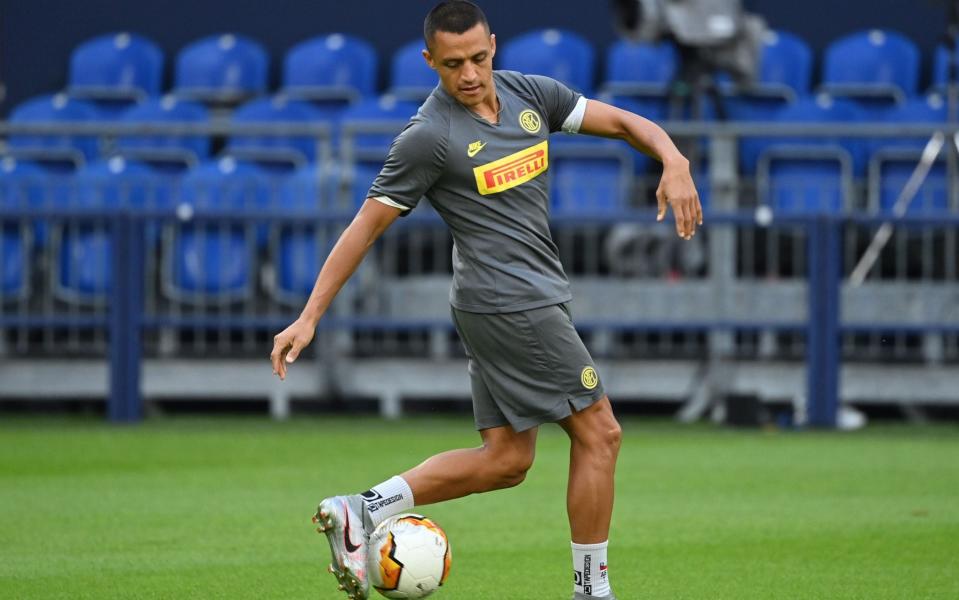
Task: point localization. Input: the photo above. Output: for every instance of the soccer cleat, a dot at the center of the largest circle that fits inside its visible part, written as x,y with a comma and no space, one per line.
340,518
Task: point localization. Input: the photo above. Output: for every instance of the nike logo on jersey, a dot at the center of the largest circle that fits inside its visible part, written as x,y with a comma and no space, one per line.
350,546
474,148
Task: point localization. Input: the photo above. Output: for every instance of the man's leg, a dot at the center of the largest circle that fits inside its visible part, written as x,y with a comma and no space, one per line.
501,462
595,438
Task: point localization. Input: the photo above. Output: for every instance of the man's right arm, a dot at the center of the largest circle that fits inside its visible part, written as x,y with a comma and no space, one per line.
373,218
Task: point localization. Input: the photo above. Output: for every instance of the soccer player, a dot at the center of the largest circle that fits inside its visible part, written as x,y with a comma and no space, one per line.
478,149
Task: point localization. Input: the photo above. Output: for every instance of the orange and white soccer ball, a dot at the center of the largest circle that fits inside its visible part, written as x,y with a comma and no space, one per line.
409,557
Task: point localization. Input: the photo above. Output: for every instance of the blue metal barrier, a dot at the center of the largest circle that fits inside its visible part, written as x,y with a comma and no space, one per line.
822,355
125,404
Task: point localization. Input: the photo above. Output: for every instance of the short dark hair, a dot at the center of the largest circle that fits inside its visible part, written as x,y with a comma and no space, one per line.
454,16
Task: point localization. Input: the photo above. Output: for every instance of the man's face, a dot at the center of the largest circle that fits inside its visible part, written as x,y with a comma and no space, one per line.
464,62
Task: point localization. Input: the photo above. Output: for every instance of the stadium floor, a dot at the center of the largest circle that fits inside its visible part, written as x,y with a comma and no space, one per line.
220,508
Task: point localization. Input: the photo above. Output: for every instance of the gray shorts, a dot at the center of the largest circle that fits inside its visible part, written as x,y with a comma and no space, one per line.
526,368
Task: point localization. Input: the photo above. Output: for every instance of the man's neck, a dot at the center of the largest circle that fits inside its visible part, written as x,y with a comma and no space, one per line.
489,108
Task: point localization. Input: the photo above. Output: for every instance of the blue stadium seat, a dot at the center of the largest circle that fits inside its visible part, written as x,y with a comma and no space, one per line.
296,149
924,109
28,185
874,67
226,185
589,180
893,161
805,186
785,72
225,68
638,77
116,69
753,107
304,192
634,66
58,108
21,188
369,127
298,249
786,62
562,55
166,148
940,67
808,174
932,196
22,185
210,261
121,183
785,66
821,108
84,251
298,261
333,67
410,77
210,266
14,260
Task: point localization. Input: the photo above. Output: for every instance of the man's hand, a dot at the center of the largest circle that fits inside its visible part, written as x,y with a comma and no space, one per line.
288,344
676,189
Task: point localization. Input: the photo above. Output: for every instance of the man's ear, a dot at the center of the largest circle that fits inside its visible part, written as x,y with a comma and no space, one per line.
429,59
492,45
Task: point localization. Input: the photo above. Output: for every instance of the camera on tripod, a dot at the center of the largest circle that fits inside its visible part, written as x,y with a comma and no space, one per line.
711,35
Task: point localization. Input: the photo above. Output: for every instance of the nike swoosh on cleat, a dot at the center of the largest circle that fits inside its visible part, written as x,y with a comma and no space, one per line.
350,546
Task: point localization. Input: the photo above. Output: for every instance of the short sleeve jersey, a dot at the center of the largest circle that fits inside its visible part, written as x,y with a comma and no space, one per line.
488,182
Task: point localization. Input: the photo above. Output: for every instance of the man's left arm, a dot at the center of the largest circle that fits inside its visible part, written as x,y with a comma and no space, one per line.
676,188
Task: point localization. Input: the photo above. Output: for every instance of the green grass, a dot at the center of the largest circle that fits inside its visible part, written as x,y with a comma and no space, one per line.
219,508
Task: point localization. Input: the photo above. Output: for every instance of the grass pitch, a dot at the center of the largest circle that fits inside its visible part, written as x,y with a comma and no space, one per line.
220,508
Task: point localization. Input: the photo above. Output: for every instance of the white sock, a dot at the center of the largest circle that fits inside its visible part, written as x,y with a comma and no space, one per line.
387,499
590,576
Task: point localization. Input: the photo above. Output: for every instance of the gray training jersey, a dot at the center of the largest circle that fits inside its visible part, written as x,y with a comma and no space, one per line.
488,182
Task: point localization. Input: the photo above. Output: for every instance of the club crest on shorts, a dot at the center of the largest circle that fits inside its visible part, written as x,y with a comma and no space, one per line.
530,121
589,378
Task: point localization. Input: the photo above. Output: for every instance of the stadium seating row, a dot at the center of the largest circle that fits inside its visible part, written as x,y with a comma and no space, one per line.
341,68
386,110
388,114
366,129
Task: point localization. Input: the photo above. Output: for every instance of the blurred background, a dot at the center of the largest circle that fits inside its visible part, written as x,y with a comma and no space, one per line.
172,176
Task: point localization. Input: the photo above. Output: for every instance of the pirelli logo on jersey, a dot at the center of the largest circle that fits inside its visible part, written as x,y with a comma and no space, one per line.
513,170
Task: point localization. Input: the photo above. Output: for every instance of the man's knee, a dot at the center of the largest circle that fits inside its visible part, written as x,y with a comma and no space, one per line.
511,466
599,433
613,436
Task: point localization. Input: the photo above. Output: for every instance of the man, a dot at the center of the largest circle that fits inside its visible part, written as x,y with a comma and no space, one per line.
478,150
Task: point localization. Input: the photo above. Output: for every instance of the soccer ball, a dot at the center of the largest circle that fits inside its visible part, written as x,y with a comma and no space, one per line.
409,557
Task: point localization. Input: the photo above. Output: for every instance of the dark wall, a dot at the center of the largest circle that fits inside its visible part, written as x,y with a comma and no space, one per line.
36,36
